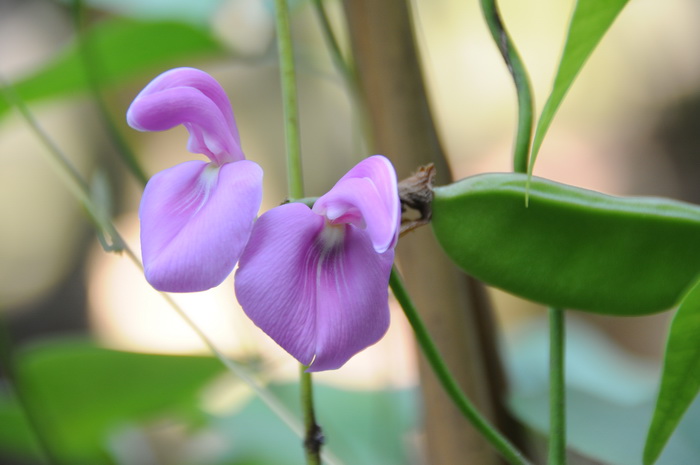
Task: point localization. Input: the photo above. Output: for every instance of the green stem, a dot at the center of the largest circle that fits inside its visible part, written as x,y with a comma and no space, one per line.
289,100
91,65
517,70
347,72
314,435
557,388
481,424
7,364
64,168
313,439
341,64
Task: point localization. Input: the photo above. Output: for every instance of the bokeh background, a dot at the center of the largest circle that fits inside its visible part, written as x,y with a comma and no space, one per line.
629,126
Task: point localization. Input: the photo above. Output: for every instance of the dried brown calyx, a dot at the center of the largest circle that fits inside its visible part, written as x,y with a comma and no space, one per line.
416,194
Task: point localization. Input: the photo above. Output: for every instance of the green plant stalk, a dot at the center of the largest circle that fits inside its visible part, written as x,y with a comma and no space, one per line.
314,436
289,100
521,80
91,70
80,190
341,63
63,167
312,441
557,388
346,70
7,364
481,424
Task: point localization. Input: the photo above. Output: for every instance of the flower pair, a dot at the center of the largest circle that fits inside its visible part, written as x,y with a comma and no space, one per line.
315,280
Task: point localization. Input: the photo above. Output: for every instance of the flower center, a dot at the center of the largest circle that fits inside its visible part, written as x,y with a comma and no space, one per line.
332,235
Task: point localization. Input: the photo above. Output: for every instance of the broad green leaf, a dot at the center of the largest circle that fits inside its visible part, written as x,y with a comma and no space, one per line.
16,436
82,391
123,49
680,381
590,21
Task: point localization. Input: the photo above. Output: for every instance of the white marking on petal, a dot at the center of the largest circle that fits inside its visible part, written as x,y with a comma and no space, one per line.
331,236
198,196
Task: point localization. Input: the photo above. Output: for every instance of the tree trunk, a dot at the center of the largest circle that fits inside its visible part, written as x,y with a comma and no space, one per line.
452,305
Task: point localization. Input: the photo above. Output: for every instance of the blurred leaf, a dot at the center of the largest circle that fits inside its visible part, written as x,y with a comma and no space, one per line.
610,396
680,381
81,391
359,426
187,11
123,49
609,432
16,436
590,21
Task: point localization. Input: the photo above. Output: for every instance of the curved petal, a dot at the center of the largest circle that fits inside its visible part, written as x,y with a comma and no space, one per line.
196,218
367,197
193,98
352,300
275,281
319,291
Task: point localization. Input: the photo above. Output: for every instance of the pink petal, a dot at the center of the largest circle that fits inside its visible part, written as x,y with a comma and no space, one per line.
275,281
193,98
353,300
367,197
319,291
196,218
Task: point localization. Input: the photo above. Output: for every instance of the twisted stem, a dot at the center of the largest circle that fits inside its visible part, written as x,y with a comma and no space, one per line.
480,423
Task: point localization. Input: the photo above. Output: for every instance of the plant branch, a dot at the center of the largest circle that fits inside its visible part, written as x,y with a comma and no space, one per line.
521,80
499,442
289,100
314,435
346,71
91,65
557,388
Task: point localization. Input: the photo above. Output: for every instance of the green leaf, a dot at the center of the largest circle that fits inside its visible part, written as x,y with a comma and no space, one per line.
680,381
123,49
16,436
590,21
80,391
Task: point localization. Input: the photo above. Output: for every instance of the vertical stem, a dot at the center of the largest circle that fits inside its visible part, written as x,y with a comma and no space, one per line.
557,388
289,98
314,435
480,423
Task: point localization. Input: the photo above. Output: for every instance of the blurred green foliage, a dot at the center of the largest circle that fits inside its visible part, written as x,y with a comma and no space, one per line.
123,49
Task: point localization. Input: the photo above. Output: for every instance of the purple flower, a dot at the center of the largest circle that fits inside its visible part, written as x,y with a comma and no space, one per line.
315,280
196,217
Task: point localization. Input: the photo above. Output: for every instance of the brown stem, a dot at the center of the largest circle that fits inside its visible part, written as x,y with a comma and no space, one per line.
451,304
